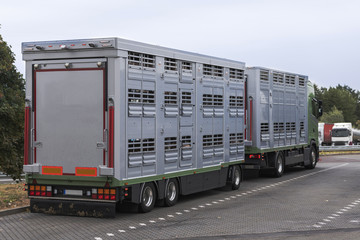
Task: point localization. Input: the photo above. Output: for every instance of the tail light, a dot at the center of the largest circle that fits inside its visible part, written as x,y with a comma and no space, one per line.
103,193
40,190
254,156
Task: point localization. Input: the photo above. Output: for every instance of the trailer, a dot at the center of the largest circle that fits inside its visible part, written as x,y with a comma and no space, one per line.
325,133
356,136
110,121
283,113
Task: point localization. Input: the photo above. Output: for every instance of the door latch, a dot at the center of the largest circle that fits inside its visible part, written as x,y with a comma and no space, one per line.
101,145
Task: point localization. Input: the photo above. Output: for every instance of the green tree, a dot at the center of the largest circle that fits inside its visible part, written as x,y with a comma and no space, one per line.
334,116
343,99
12,96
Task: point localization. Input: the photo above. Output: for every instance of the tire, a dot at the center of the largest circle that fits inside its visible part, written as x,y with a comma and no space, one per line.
312,158
279,165
147,198
171,193
236,178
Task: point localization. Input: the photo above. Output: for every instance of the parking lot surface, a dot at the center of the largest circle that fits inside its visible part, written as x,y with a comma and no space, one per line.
323,203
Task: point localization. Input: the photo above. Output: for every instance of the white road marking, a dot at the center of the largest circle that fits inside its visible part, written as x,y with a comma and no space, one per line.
209,204
355,221
336,215
201,206
318,225
215,202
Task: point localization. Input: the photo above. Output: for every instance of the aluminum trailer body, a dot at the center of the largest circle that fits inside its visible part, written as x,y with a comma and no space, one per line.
356,136
282,120
110,120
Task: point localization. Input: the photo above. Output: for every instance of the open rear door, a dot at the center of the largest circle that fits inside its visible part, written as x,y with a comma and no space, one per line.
69,118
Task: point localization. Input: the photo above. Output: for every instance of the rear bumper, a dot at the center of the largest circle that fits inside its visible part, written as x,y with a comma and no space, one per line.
73,208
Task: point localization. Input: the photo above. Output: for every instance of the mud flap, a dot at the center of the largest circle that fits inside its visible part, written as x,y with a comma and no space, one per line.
73,208
306,156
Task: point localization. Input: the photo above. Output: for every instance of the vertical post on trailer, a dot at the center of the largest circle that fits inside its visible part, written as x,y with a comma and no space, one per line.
111,137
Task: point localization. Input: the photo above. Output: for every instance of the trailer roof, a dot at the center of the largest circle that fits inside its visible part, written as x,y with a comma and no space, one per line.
275,70
115,43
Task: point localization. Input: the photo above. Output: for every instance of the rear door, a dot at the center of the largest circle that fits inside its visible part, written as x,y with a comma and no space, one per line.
69,115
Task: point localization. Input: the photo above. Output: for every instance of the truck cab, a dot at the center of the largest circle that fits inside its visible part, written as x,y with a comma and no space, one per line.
341,134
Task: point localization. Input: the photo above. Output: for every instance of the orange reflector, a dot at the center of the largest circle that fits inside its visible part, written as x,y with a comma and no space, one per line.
100,191
112,191
106,191
43,188
47,170
37,188
84,171
32,188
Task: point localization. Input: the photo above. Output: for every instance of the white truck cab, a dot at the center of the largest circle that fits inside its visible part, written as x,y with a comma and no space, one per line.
342,134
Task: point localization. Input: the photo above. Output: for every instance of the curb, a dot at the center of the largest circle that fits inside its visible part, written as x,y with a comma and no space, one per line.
13,211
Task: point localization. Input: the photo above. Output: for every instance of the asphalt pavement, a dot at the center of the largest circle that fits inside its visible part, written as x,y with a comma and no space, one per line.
323,203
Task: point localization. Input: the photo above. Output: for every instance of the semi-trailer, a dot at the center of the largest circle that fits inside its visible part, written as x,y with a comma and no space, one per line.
109,121
325,133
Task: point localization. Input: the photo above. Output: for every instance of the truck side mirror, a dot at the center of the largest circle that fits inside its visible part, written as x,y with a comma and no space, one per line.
320,113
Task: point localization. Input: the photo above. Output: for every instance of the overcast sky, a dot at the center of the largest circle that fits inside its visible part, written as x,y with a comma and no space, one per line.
318,38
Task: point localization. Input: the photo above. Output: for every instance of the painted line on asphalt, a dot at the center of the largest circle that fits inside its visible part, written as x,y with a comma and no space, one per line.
203,206
335,216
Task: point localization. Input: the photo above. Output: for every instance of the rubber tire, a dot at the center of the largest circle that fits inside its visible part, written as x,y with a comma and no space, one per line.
279,165
171,199
236,178
146,205
312,158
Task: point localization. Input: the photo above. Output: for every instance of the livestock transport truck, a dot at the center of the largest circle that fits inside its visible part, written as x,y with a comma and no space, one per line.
110,121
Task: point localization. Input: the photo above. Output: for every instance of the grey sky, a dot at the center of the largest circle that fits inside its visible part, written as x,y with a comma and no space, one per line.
318,38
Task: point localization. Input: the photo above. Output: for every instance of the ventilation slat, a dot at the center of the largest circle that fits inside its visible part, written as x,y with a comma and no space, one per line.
236,74
264,75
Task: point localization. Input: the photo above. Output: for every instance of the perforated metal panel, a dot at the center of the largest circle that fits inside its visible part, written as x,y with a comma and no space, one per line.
279,108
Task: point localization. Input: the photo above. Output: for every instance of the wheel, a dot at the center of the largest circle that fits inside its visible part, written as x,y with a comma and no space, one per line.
279,165
312,158
236,178
171,193
148,198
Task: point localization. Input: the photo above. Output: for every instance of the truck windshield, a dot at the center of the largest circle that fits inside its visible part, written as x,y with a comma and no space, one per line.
340,132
